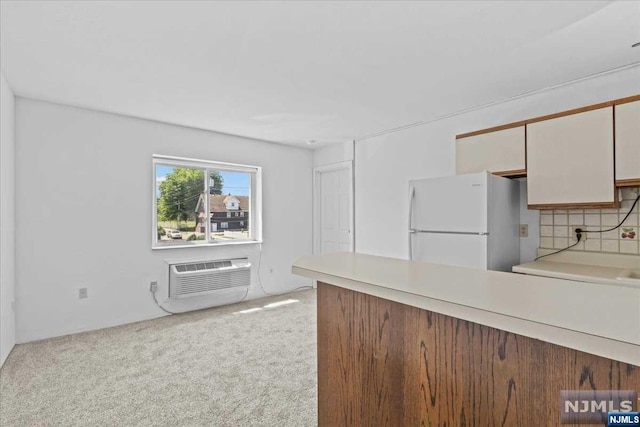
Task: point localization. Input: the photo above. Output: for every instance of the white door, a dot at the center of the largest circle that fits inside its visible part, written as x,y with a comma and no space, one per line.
333,209
453,203
627,122
499,151
461,250
570,161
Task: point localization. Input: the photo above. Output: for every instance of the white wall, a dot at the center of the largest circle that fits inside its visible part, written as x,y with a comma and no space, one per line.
334,153
84,209
7,220
385,164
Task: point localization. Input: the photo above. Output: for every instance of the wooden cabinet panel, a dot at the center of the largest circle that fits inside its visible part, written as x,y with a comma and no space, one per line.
501,152
627,122
570,161
382,363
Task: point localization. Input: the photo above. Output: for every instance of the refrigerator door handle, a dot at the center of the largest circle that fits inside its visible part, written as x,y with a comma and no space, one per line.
471,233
412,192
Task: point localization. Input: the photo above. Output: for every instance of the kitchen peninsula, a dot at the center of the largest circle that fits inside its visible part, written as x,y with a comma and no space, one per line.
405,343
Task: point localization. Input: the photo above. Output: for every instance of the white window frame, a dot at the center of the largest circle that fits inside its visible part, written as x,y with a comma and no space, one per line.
255,198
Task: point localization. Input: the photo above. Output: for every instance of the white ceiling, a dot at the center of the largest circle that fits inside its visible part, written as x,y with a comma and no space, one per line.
294,71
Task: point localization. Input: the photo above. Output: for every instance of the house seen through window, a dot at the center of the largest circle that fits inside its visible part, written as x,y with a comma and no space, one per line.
199,202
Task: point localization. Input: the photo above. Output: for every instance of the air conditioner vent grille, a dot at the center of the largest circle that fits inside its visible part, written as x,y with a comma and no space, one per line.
198,284
197,278
199,266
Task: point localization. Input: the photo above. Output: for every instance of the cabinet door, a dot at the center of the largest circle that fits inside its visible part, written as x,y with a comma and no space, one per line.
570,161
628,143
500,152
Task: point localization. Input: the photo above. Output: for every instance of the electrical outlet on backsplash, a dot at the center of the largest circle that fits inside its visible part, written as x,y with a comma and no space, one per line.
555,232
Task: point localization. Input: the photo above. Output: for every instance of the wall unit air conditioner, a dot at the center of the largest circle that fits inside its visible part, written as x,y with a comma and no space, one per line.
190,279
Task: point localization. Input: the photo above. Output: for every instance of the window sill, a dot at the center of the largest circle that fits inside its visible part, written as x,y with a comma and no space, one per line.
209,245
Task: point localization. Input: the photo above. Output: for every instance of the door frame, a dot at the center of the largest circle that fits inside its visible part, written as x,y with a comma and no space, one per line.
317,171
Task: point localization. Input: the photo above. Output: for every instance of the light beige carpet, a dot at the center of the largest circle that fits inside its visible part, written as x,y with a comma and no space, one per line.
205,368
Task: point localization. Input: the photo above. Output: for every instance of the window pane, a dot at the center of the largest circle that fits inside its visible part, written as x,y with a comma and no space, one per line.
180,192
229,202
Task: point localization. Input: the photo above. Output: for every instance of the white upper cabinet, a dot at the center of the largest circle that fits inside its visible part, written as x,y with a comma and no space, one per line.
570,161
627,121
501,152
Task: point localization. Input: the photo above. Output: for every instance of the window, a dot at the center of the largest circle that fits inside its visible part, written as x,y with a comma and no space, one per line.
192,197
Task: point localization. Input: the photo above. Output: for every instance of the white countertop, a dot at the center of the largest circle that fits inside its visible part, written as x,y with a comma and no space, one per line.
594,318
578,272
589,267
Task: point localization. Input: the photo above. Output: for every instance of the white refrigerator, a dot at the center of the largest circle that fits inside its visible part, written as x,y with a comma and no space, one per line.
465,220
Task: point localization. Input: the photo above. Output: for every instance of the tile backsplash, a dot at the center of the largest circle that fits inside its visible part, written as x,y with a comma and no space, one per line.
556,227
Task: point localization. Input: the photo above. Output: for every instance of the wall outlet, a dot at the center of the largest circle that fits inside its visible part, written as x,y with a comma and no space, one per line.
82,293
574,237
524,230
153,286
